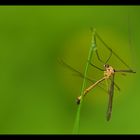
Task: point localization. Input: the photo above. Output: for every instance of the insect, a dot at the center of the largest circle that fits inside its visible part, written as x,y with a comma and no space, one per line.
108,74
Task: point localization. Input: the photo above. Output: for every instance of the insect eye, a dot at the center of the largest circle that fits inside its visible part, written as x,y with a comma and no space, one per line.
106,66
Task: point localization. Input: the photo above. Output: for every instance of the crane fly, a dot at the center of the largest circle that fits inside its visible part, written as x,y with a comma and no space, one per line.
108,74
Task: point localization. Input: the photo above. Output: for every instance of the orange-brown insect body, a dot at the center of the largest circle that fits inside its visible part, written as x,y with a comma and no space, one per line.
109,71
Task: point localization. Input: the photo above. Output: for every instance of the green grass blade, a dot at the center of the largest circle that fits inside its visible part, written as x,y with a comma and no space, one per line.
77,119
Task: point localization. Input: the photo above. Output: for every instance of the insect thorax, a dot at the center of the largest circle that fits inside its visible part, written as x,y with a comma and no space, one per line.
108,72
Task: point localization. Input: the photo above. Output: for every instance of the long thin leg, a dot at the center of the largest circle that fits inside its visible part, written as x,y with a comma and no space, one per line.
109,56
92,81
92,86
111,92
130,71
95,49
112,50
60,61
89,88
95,46
98,56
96,67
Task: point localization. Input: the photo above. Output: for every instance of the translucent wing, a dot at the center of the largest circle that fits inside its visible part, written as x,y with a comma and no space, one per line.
77,73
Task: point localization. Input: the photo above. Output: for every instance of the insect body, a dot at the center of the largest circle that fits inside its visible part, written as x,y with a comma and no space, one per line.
108,73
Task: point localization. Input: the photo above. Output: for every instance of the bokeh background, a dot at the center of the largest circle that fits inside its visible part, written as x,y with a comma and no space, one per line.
37,94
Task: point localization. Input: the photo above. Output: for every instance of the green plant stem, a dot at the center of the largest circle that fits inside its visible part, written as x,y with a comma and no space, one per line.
77,119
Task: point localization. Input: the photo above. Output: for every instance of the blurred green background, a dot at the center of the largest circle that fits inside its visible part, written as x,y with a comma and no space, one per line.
37,95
